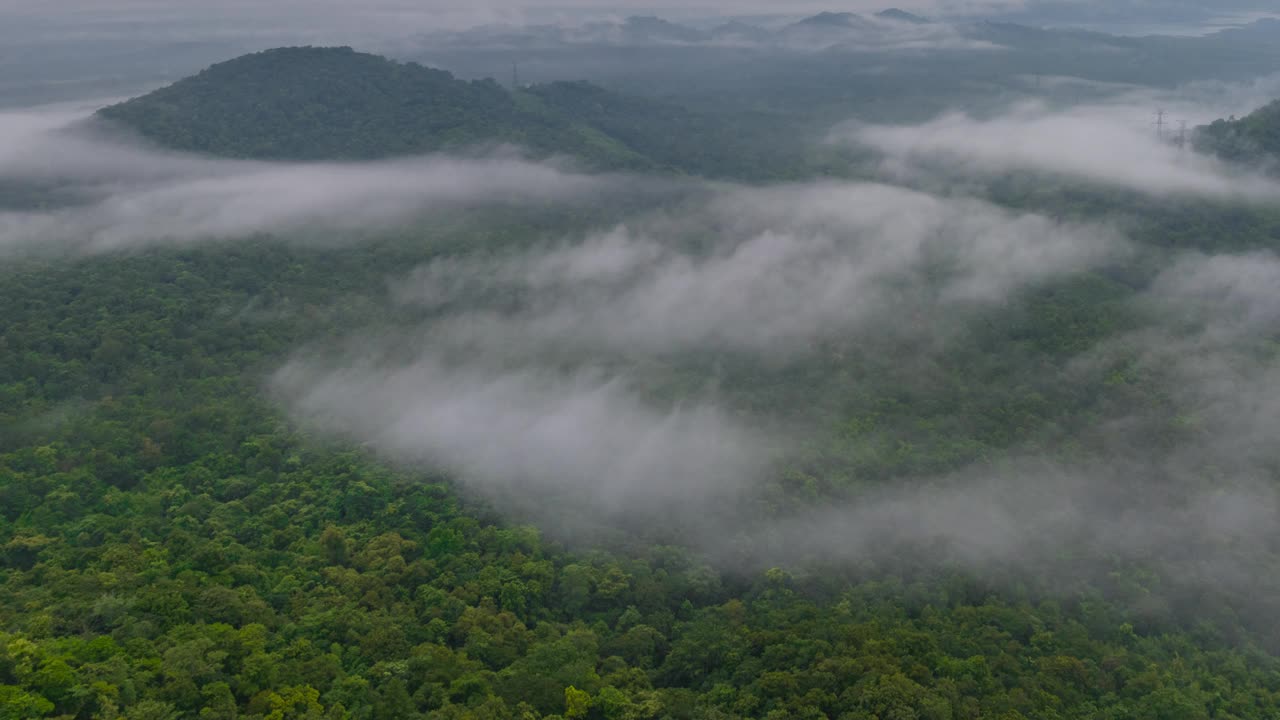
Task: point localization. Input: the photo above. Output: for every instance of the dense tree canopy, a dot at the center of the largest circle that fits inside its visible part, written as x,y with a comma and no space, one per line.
1252,139
312,103
338,104
173,546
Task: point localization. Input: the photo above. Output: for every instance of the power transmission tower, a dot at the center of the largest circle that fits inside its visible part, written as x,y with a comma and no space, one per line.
1182,134
1160,123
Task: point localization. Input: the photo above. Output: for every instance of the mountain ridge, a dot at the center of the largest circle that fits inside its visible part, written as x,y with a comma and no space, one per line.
1252,140
314,103
336,104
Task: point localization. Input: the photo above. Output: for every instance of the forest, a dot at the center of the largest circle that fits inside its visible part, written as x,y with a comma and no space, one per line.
1254,138
674,413
336,104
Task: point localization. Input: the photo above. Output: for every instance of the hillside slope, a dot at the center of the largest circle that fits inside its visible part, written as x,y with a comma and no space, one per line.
1254,138
308,103
312,104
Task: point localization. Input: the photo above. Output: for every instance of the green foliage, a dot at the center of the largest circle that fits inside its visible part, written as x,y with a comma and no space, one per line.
337,104
576,703
1253,139
170,547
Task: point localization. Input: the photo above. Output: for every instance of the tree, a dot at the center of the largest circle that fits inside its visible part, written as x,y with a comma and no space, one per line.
577,703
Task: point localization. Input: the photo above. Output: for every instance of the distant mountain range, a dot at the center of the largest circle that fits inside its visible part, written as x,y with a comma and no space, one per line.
890,29
902,16
821,31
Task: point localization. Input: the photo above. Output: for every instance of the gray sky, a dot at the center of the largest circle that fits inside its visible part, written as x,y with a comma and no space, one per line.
401,15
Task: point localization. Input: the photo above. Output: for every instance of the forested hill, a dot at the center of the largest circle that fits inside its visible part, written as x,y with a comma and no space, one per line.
1252,139
309,103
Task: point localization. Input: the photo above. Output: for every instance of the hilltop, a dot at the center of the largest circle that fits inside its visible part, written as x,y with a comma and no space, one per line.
311,103
900,15
336,104
1254,138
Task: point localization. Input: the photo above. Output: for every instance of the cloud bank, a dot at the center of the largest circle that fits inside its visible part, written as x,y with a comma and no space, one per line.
517,434
1101,133
763,271
495,388
121,194
1186,486
1109,144
526,375
524,380
1217,324
1033,512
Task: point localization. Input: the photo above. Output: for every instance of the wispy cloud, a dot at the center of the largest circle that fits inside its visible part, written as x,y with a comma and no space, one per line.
527,374
1183,486
128,195
765,271
1108,144
530,436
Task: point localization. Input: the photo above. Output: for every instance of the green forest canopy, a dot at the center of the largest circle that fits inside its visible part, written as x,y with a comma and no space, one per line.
311,103
1253,139
171,547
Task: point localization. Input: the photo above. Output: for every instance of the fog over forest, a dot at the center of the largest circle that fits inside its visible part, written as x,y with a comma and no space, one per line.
553,360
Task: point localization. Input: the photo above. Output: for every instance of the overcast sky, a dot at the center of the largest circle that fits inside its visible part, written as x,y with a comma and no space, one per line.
403,14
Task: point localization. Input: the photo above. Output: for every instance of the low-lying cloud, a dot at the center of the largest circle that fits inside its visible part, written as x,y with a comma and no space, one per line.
764,271
122,194
527,373
1217,320
534,436
1112,143
501,397
1186,486
1201,507
1033,512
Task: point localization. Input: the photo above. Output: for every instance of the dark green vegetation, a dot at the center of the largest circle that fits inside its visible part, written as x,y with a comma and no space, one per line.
337,104
171,547
1254,138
